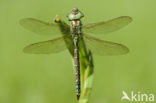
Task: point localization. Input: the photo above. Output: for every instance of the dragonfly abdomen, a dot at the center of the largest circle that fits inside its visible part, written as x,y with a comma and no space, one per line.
77,66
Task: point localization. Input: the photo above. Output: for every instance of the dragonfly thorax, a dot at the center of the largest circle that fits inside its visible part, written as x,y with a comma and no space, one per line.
75,23
75,27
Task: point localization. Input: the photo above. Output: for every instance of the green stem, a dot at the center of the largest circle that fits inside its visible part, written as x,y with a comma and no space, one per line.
88,74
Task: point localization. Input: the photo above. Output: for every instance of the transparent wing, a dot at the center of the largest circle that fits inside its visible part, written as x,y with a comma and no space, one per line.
103,47
40,27
108,26
46,47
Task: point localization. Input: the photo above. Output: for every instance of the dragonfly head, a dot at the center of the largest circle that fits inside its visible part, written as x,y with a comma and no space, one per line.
75,14
75,11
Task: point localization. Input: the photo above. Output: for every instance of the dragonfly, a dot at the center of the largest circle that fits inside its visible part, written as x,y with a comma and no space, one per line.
73,34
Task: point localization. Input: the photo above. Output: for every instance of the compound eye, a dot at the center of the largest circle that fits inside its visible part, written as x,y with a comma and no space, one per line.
75,10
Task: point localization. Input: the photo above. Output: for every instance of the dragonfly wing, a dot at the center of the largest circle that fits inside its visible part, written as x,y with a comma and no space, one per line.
103,47
39,27
46,47
108,26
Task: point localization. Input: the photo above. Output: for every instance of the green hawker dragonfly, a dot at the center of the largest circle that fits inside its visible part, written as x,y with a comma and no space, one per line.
73,34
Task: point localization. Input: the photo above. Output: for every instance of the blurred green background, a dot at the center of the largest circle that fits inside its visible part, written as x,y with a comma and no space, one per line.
28,78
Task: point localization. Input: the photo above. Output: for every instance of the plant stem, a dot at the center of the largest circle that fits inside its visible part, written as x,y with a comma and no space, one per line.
88,79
